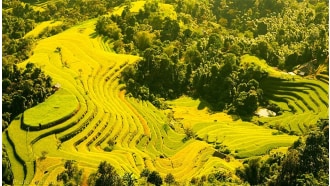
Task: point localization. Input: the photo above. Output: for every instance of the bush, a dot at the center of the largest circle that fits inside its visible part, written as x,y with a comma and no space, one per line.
227,151
275,108
108,148
169,179
105,175
155,178
211,178
221,176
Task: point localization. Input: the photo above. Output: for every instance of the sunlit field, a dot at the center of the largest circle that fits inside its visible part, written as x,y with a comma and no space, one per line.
90,118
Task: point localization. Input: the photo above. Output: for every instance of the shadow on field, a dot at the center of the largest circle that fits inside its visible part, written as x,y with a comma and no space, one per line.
247,118
93,35
204,104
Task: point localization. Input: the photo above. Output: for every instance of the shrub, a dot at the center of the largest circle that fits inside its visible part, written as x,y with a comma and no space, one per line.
105,175
194,181
108,148
145,173
155,178
211,178
169,179
227,151
189,134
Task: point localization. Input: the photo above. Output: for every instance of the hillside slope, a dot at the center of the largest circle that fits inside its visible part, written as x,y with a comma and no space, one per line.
102,123
80,65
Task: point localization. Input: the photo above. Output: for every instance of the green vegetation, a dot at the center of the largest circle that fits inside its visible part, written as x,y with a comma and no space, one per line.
22,89
301,101
71,175
165,92
243,139
182,60
306,162
7,175
106,175
62,104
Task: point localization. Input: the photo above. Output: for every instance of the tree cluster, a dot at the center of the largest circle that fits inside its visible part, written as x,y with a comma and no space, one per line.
20,17
220,177
72,175
305,163
106,175
284,33
180,61
204,61
22,89
7,173
154,177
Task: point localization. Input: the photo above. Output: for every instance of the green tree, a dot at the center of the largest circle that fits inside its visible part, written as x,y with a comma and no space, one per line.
155,178
169,179
129,34
193,57
251,172
307,161
170,30
7,173
107,27
214,41
72,175
189,133
107,175
289,169
113,31
145,173
246,102
129,179
143,40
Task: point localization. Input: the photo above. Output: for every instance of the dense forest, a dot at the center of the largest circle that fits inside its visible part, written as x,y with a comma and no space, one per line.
197,53
203,59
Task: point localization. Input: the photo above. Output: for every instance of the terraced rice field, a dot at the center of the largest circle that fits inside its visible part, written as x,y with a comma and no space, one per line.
304,102
91,75
243,138
59,107
143,136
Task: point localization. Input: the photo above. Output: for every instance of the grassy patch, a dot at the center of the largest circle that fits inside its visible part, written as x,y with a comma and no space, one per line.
188,111
165,10
60,105
248,59
135,7
242,138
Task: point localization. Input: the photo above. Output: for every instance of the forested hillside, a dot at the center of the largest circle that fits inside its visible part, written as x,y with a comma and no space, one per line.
165,92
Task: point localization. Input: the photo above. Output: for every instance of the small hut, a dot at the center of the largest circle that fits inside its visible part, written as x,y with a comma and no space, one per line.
56,87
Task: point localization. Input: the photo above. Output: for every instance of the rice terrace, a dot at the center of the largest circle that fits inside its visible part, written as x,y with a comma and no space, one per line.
222,92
